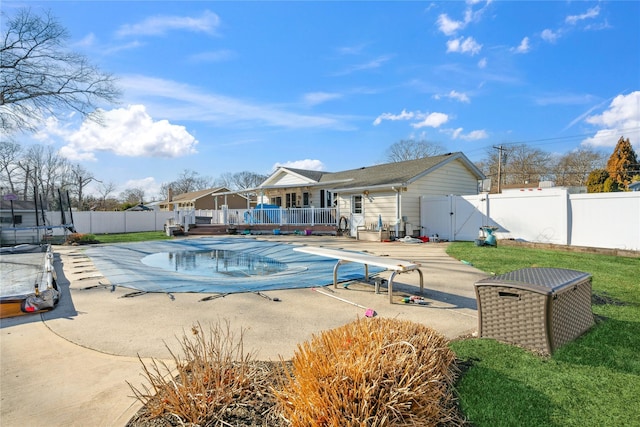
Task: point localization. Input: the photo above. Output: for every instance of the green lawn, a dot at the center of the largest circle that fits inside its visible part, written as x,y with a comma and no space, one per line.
592,381
132,237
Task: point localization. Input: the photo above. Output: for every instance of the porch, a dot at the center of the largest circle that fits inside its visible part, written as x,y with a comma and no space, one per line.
261,220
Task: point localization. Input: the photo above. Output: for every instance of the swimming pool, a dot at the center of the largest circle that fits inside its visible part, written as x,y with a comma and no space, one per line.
216,265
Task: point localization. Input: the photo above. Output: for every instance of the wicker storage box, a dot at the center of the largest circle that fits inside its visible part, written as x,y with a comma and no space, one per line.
540,309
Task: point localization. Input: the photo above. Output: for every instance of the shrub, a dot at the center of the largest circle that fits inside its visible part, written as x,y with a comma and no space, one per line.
372,372
81,239
214,374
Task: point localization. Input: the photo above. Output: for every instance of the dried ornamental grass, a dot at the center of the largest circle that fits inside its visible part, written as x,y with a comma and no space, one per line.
372,372
213,374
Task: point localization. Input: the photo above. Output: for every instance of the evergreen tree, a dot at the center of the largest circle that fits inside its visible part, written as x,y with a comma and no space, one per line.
623,163
596,180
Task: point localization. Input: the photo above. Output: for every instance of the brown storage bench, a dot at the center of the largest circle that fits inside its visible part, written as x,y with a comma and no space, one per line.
540,309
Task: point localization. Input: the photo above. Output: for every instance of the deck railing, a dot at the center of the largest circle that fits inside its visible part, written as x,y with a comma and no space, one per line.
275,216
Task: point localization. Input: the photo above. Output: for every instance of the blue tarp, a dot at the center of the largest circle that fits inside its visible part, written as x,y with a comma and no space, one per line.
122,265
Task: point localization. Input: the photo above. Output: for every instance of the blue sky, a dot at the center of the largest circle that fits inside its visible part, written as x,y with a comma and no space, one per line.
225,87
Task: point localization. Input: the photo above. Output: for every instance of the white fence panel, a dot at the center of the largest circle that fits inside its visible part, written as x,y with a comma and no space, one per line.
119,222
470,215
606,220
539,216
435,216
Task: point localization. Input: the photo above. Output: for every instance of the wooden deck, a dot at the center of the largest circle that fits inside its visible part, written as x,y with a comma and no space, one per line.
258,229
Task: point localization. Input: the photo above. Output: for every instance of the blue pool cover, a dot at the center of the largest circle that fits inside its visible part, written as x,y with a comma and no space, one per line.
122,265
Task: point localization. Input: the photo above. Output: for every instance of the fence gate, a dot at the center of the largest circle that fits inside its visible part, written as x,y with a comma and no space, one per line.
453,217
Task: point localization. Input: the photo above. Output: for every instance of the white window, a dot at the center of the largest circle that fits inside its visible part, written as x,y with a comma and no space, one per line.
356,205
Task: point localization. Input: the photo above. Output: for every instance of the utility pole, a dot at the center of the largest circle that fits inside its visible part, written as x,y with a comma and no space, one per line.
500,150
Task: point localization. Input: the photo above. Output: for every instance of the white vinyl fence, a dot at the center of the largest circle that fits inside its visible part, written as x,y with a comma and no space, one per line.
120,222
602,220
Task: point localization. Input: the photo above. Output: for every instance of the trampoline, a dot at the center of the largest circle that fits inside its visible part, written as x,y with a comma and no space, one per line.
216,265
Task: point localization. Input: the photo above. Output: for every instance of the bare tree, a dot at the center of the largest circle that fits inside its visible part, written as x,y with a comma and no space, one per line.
240,180
409,149
526,165
132,196
79,178
45,169
106,202
187,182
520,164
10,153
41,77
573,168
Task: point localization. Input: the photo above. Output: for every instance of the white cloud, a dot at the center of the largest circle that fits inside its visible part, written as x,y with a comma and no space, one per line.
455,95
221,55
449,26
152,189
622,118
474,135
549,35
88,41
307,164
591,13
482,63
523,47
315,98
373,64
181,101
462,97
129,132
159,25
462,45
404,115
433,120
351,50
122,47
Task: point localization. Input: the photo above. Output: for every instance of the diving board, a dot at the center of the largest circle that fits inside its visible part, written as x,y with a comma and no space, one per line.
396,266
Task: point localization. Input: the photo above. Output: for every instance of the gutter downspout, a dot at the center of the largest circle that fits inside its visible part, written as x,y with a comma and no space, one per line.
398,210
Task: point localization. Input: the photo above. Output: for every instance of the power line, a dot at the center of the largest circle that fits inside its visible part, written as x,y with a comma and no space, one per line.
551,140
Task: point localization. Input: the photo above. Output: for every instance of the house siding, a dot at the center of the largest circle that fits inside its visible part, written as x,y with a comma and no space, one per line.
292,180
380,205
452,178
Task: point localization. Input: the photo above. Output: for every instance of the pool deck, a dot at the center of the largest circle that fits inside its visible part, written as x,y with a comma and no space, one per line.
71,366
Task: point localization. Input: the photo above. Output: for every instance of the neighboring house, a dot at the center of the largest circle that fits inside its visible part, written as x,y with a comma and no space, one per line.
634,186
139,207
212,198
390,192
19,222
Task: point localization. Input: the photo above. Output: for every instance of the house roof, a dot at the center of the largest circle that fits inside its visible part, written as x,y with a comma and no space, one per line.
388,174
396,173
195,195
18,205
139,207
